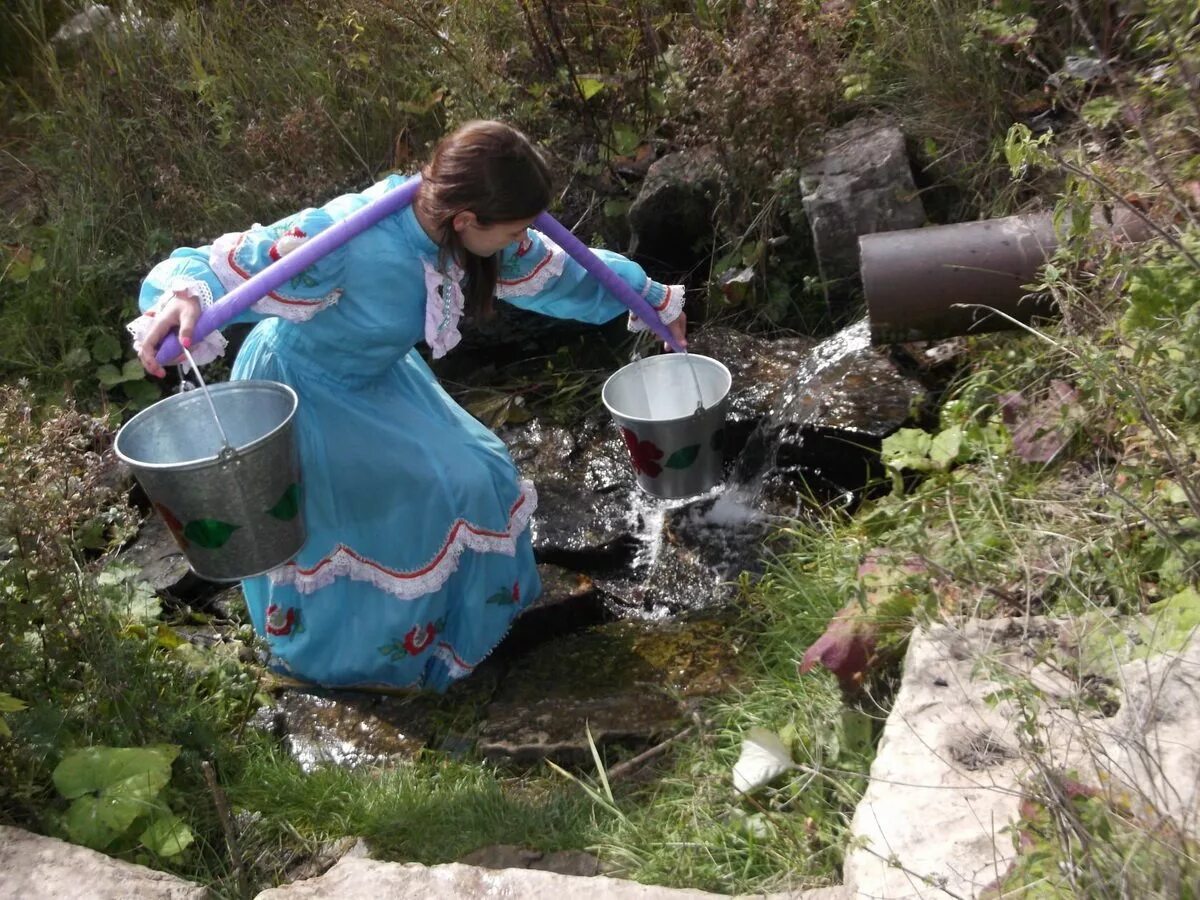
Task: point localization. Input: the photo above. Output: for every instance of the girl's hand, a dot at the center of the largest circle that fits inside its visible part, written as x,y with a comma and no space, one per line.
180,311
678,329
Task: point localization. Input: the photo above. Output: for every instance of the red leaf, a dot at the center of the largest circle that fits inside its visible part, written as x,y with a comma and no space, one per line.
845,649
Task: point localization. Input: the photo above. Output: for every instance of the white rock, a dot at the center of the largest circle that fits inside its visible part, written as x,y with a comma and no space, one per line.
367,879
948,777
33,867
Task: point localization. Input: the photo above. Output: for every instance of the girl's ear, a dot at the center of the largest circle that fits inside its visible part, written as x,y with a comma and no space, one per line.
463,221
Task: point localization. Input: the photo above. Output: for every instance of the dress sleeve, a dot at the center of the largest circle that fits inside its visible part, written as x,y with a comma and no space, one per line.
208,273
538,275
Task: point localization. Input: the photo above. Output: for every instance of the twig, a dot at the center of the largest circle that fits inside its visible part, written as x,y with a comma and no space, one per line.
622,769
221,802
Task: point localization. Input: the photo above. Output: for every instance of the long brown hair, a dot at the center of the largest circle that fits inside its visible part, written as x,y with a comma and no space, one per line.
489,169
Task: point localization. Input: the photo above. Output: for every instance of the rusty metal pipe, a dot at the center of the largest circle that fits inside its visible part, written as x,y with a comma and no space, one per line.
914,280
929,283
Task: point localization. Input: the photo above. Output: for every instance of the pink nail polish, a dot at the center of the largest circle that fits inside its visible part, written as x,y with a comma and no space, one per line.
186,342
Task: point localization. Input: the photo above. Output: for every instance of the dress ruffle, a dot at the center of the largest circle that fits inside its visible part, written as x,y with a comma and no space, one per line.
413,584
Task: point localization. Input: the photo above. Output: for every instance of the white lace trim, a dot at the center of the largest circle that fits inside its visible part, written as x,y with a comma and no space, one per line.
203,352
549,267
413,584
444,304
668,309
458,668
223,261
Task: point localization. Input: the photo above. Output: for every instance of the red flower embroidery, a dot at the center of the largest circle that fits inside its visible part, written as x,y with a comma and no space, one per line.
282,247
279,621
419,638
516,592
643,454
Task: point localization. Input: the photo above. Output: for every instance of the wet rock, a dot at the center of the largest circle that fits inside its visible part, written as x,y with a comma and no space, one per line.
627,683
44,868
672,217
345,728
163,565
760,368
862,184
510,856
821,440
570,602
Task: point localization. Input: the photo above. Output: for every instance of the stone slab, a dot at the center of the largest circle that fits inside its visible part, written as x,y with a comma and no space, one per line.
949,774
352,879
34,867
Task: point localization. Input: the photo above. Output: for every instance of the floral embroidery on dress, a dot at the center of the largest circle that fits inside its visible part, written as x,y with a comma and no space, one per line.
282,622
228,258
444,303
507,596
416,641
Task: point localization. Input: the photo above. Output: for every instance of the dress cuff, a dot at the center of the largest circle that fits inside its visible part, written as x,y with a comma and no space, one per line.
203,352
665,299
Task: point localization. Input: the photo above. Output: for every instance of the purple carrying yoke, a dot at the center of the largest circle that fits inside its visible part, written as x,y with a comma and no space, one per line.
288,267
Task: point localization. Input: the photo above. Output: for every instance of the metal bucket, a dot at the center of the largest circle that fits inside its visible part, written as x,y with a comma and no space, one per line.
228,489
671,412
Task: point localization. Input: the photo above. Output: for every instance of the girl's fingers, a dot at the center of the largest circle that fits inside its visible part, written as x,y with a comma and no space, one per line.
188,317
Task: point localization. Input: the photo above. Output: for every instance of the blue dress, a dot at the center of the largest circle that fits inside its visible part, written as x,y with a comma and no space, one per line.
418,555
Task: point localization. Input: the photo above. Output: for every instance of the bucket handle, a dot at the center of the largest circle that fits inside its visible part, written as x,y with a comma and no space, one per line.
638,355
227,452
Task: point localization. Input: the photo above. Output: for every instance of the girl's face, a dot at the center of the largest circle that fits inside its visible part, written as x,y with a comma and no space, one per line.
487,240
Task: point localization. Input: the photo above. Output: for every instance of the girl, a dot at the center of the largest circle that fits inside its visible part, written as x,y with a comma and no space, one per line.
418,555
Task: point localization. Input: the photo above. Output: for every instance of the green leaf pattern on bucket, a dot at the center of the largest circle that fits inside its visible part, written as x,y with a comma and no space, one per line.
645,455
683,457
288,505
211,534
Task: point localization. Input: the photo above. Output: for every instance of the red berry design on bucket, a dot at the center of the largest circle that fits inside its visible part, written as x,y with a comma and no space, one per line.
643,454
173,525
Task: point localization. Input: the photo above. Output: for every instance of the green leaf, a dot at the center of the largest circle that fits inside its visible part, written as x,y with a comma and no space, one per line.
132,371
108,375
211,534
908,448
167,835
943,449
683,457
141,393
288,505
1100,111
88,822
10,704
78,358
105,348
125,769
625,139
589,87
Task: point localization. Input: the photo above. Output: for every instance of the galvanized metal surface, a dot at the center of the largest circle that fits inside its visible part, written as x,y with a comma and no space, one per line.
671,411
234,515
